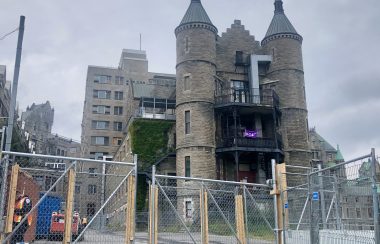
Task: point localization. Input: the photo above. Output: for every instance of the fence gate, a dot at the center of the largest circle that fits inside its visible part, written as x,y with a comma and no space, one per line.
191,210
96,196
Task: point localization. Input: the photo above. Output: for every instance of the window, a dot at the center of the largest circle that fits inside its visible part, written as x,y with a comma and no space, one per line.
117,141
239,57
370,213
186,82
91,189
187,122
118,95
91,209
119,80
118,110
117,126
100,109
49,182
102,79
77,189
100,125
187,167
189,209
102,94
358,214
92,172
186,44
97,155
100,140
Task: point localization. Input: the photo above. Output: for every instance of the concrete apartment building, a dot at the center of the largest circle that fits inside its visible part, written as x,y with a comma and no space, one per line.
106,111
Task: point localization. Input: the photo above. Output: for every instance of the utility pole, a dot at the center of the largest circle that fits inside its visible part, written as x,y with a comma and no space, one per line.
15,84
9,129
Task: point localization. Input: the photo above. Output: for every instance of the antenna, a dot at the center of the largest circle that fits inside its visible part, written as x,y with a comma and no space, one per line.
140,41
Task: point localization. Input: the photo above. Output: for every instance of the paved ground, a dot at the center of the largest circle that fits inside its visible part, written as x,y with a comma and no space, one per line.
93,236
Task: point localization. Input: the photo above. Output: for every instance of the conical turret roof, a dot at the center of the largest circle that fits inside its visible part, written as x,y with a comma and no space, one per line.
280,23
196,14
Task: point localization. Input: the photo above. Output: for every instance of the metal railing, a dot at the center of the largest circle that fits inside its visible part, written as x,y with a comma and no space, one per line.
247,142
258,97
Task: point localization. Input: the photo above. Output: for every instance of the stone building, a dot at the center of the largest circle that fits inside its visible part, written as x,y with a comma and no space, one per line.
5,96
37,121
240,102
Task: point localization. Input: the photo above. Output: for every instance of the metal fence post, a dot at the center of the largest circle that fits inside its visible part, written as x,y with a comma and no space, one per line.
375,197
153,209
323,207
69,206
314,213
275,201
135,197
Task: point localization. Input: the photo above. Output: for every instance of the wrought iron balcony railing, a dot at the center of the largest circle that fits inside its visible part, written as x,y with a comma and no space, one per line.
247,142
259,97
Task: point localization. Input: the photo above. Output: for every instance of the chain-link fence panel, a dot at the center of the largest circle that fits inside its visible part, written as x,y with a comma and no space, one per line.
210,211
98,197
343,202
259,214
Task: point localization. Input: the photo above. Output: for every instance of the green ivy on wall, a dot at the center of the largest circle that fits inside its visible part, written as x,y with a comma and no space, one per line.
149,139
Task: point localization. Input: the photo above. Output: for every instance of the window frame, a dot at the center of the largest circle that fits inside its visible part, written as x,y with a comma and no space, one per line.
187,122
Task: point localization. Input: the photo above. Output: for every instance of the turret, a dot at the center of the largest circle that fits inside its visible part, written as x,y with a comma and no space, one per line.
196,68
285,45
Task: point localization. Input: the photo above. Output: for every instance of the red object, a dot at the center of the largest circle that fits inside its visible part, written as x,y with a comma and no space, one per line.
57,225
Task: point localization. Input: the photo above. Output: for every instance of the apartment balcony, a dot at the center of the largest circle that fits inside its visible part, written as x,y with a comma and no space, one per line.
148,113
260,98
156,108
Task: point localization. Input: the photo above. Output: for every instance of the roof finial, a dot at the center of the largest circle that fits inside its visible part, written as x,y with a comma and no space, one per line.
278,8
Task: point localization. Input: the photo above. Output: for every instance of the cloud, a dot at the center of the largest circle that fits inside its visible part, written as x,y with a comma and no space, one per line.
63,37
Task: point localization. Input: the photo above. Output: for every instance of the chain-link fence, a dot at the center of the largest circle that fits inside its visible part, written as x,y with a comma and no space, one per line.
44,191
190,210
335,203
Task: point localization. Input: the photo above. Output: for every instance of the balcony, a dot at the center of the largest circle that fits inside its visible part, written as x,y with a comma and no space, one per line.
156,108
247,142
246,97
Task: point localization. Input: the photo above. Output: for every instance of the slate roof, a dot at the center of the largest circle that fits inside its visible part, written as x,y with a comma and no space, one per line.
280,23
196,14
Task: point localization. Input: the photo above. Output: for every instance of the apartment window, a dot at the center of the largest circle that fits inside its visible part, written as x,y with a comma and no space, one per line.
102,94
91,189
102,79
100,109
358,214
186,82
118,110
91,209
97,155
100,140
117,141
77,189
117,126
100,125
118,95
92,172
119,80
370,213
49,182
187,122
189,209
187,167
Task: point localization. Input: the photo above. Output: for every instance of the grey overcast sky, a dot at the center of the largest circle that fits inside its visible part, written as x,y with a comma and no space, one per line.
62,37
